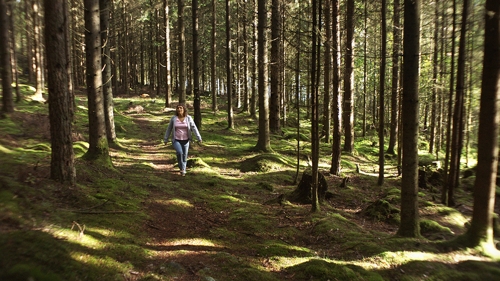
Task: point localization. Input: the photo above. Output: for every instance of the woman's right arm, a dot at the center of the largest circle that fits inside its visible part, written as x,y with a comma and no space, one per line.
169,130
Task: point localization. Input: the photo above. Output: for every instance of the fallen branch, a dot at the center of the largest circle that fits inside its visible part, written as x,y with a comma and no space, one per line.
82,229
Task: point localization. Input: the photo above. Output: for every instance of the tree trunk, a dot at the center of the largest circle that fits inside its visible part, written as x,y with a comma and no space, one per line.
196,66
255,68
229,73
480,231
264,142
435,69
13,51
246,75
37,37
62,166
396,31
168,64
275,79
327,78
107,87
7,96
349,80
124,71
409,226
213,58
182,52
297,97
337,98
444,191
158,53
365,65
315,114
28,18
458,113
381,119
98,143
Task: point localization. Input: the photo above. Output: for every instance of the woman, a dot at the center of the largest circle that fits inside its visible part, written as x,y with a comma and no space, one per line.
182,126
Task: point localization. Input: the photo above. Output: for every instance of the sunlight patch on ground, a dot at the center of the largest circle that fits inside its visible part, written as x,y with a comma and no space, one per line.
192,242
280,263
232,199
383,261
388,260
188,245
76,235
98,262
149,164
5,150
176,202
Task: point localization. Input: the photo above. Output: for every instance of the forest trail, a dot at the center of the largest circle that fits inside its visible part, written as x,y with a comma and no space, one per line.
182,231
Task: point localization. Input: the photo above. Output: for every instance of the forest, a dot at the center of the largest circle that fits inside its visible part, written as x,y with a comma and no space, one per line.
342,140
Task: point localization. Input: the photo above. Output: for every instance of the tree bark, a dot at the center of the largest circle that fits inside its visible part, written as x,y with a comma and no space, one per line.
349,80
182,52
62,166
480,230
264,142
409,226
13,55
275,79
107,87
196,66
444,191
458,113
255,68
98,143
327,73
229,74
7,96
213,58
396,31
37,38
381,119
315,207
168,63
337,98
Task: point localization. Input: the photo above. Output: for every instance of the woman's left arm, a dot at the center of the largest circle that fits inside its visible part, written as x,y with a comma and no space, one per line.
194,129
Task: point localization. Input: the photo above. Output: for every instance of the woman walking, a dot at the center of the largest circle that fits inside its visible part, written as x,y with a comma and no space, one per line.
182,127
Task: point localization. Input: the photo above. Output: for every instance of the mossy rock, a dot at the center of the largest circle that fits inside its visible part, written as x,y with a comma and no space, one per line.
321,270
262,163
382,210
468,183
265,186
433,230
393,196
196,163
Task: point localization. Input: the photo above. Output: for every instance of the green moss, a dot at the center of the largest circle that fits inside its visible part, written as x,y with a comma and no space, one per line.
263,163
29,272
429,226
322,271
382,210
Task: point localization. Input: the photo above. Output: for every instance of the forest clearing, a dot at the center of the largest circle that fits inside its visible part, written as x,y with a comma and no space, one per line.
141,220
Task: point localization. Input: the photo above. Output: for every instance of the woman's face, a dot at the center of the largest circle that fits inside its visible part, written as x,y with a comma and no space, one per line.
180,110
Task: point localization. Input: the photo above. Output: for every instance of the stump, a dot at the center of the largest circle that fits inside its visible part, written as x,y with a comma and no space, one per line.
302,194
